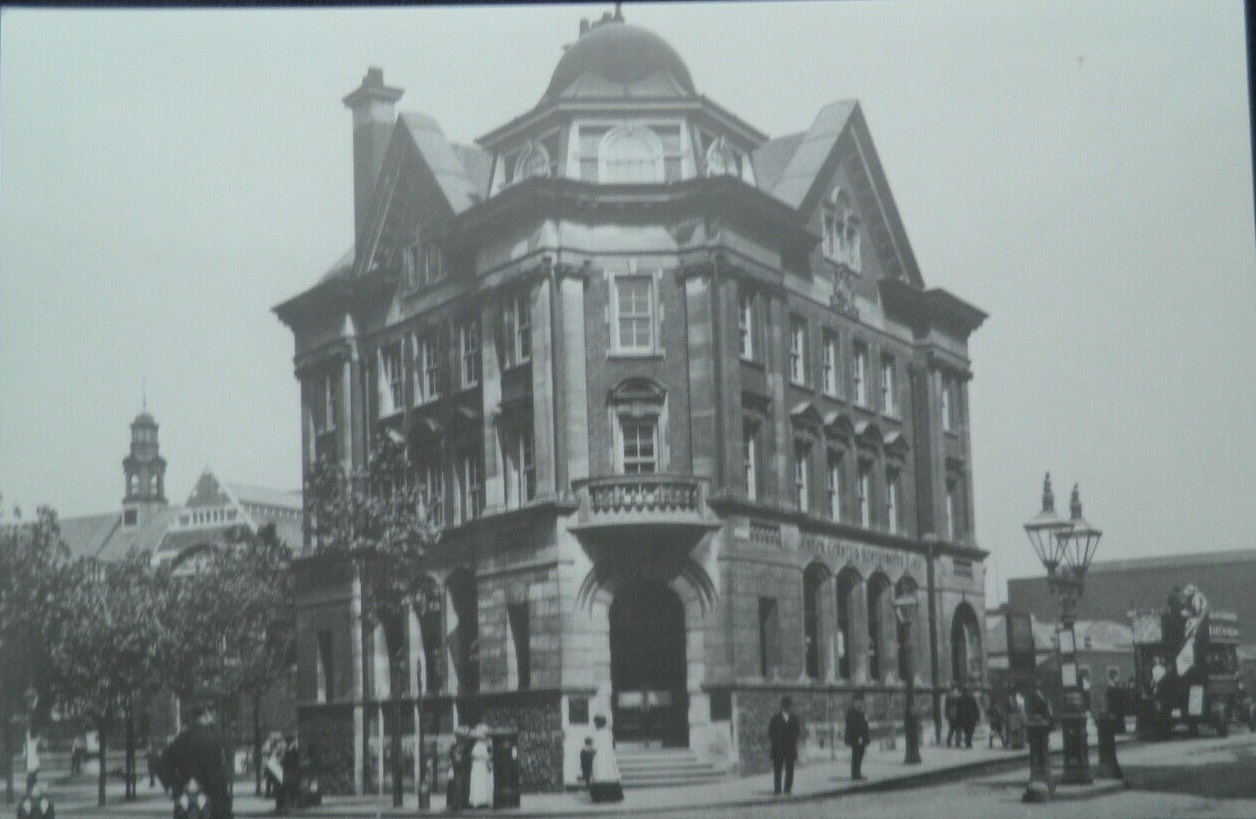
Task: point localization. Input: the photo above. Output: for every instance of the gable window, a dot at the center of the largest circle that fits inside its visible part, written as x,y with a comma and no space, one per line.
634,313
640,445
830,363
860,368
865,493
892,510
840,229
835,485
520,464
516,331
433,262
533,160
888,403
745,325
469,343
802,463
797,350
427,359
411,266
391,384
750,454
631,154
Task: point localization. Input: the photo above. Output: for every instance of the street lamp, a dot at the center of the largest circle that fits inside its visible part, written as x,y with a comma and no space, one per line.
1066,548
905,607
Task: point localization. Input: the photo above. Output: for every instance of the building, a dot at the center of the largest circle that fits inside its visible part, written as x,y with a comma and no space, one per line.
689,413
1116,587
146,522
1105,655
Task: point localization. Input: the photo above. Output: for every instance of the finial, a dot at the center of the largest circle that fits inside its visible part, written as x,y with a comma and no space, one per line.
144,393
1075,505
1048,497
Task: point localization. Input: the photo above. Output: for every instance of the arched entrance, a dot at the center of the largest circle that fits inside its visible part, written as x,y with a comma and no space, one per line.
648,665
965,647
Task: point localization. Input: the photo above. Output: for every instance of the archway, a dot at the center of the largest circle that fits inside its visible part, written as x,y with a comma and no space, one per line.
648,664
965,646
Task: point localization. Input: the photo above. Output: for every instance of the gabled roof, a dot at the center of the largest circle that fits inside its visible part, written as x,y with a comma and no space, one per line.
265,496
451,175
770,159
342,267
88,534
479,165
812,152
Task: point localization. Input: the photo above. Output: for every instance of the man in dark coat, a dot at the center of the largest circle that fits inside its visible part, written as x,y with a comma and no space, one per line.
784,729
968,714
951,708
197,753
858,737
291,762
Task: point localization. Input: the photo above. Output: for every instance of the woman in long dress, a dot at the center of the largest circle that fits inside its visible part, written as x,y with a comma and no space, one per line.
605,786
481,786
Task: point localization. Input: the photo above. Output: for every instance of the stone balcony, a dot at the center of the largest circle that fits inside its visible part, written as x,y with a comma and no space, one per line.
656,508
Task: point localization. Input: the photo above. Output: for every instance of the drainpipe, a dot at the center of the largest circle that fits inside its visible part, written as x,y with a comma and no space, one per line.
930,543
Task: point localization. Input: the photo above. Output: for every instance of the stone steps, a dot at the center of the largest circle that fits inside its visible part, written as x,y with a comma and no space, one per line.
663,767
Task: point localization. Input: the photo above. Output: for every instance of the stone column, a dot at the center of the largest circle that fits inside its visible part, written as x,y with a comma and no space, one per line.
701,356
543,400
490,407
859,629
575,430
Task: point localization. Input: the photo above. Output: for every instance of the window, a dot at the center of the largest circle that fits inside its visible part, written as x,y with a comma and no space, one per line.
432,487
329,402
130,517
878,603
640,445
888,403
427,358
520,466
745,325
954,516
516,331
631,154
670,141
892,500
769,637
830,363
391,389
472,484
521,642
533,160
847,581
590,140
797,350
835,485
469,342
325,668
432,260
865,493
411,266
812,580
861,373
722,160
749,454
634,313
947,421
802,458
840,230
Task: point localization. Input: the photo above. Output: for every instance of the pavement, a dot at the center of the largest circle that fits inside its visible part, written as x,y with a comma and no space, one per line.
884,770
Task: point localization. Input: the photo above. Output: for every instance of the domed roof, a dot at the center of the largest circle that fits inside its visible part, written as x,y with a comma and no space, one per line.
621,53
144,419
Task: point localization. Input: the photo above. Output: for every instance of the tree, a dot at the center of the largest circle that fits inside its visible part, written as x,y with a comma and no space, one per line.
34,562
103,655
380,520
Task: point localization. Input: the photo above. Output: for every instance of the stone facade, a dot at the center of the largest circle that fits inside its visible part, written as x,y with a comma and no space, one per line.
691,417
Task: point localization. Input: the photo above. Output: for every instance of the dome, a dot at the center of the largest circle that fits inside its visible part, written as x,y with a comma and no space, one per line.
621,53
144,419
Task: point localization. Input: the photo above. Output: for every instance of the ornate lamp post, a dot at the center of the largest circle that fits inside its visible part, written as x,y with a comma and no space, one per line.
1066,548
905,607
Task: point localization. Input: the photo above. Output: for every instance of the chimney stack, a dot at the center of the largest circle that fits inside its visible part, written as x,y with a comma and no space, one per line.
374,115
584,26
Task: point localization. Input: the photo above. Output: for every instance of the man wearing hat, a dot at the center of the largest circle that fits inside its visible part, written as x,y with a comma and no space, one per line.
197,753
784,729
858,736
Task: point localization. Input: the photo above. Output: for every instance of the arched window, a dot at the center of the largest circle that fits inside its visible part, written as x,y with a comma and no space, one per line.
428,613
534,160
464,633
878,602
840,230
812,581
721,159
637,413
134,487
847,582
907,634
631,154
965,646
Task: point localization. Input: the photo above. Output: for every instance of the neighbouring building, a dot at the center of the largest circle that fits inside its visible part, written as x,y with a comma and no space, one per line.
690,417
147,522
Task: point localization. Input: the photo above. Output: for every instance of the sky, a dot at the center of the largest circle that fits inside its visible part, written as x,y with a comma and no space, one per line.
1079,170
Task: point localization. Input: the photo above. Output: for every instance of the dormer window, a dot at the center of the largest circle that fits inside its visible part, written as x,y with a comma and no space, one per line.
630,154
722,160
841,230
534,160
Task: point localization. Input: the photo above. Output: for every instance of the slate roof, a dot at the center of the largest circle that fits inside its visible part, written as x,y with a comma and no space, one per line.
451,175
478,164
342,267
88,534
810,153
770,158
103,537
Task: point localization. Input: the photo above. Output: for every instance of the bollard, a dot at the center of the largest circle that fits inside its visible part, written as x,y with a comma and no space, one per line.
1041,788
1108,767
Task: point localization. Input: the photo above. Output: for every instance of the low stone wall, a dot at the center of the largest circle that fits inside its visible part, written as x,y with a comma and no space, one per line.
326,733
823,715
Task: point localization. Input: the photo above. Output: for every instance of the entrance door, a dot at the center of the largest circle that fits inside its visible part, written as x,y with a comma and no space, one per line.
648,671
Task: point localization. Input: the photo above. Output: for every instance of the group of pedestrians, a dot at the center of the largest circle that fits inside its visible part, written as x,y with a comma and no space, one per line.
785,731
962,715
283,772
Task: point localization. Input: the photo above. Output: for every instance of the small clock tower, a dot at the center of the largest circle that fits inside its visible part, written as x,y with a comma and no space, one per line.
145,472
